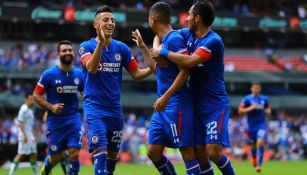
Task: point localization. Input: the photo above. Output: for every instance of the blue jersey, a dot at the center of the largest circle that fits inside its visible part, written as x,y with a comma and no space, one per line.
102,91
174,42
207,79
62,87
255,118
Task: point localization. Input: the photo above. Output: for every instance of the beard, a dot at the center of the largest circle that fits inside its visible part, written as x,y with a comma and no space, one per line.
66,59
192,27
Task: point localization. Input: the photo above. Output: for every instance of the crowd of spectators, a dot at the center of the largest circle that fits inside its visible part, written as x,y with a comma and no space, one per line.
281,8
286,139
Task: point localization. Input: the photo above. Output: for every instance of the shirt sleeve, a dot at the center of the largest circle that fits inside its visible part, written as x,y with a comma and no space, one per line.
177,44
128,60
21,116
85,53
244,103
184,32
210,48
42,84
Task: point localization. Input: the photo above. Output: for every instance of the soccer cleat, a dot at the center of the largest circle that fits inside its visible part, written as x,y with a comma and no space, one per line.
254,161
258,169
42,171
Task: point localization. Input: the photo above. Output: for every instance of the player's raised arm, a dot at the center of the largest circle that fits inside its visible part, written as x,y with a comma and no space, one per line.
137,38
93,63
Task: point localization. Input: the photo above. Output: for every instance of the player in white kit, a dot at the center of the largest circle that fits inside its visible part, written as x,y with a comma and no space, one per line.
26,140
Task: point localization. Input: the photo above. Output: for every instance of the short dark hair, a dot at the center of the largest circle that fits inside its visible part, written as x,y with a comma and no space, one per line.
255,83
104,8
163,11
63,42
205,10
27,95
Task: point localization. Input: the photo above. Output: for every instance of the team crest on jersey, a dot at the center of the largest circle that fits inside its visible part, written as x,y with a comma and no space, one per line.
95,139
53,147
59,89
118,57
81,50
76,81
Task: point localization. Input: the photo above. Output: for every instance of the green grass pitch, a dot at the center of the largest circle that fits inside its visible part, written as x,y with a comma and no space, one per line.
241,168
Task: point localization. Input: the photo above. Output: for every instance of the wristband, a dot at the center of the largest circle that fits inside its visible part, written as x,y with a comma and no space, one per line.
164,52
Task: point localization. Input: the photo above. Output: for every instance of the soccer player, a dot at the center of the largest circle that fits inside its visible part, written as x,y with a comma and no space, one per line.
26,139
172,123
256,106
62,84
103,59
206,61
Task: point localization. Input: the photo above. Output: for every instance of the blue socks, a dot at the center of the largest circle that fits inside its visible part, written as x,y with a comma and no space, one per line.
111,166
192,167
100,161
225,166
165,166
74,167
206,169
260,151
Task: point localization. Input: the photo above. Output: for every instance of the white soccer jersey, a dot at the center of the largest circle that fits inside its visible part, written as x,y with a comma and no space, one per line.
26,117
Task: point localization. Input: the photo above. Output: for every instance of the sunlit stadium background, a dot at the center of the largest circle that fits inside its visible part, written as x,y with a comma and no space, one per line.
265,40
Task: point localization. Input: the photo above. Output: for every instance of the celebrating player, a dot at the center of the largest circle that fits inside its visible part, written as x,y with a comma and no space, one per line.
62,83
256,106
206,61
103,59
172,123
26,140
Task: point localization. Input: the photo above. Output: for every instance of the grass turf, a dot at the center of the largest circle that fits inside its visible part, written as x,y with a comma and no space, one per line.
241,168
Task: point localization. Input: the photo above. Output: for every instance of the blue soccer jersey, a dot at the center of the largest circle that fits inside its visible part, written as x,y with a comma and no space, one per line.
207,79
174,126
64,129
102,91
255,118
61,87
173,41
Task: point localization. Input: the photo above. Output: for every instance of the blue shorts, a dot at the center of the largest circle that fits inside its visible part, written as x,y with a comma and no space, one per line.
172,127
260,133
104,131
211,126
59,139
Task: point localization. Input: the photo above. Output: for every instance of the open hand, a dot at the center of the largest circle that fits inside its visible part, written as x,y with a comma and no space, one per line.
160,104
137,38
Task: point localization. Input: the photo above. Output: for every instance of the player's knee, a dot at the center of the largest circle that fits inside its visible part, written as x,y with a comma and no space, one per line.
201,154
187,153
74,155
153,155
214,153
112,155
260,143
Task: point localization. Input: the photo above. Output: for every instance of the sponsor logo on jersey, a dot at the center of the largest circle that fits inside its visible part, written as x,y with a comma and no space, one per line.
94,139
109,67
67,89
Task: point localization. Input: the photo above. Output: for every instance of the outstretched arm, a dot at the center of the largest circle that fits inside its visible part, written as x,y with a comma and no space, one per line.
139,74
